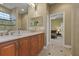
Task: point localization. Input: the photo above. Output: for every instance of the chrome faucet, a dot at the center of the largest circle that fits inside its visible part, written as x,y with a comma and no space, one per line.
8,32
19,30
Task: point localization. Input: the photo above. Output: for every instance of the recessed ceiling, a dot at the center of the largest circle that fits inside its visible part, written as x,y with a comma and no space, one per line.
20,6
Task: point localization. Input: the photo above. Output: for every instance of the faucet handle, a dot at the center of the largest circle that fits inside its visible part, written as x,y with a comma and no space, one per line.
1,34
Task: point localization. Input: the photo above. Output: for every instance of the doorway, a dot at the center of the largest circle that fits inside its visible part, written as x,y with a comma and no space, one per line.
57,26
57,29
55,36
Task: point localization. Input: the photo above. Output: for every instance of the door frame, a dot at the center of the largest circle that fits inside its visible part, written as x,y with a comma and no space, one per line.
50,18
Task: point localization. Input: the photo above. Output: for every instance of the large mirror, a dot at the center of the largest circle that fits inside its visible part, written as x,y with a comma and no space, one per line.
7,21
37,21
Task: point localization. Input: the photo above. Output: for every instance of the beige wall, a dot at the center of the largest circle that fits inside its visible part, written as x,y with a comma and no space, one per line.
20,21
24,21
75,31
66,8
71,24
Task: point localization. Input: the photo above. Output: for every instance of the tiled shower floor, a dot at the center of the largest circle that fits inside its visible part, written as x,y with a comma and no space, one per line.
56,48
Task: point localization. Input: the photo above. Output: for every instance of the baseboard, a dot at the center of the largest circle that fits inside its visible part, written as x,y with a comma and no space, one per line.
68,46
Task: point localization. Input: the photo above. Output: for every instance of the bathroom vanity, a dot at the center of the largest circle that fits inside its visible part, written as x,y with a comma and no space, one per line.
26,44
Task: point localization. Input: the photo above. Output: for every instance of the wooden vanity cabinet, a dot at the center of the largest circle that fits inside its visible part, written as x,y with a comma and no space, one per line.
34,45
9,49
24,46
41,41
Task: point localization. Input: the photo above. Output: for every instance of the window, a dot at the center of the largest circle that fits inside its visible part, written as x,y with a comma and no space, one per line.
7,21
4,16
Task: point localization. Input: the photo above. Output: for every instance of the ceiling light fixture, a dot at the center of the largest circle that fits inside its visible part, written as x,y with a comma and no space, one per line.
33,5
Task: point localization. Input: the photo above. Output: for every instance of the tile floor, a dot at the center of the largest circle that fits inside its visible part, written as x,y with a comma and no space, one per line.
56,48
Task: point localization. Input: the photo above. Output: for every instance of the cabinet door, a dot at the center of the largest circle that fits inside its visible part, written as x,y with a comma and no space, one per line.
8,49
41,41
34,45
24,48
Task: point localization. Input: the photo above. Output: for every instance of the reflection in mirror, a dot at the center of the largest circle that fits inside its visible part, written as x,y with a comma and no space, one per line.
36,24
7,21
57,26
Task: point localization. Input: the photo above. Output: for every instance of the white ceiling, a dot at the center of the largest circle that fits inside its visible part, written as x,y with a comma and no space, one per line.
20,6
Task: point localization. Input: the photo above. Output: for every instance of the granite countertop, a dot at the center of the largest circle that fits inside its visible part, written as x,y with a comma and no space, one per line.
6,38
